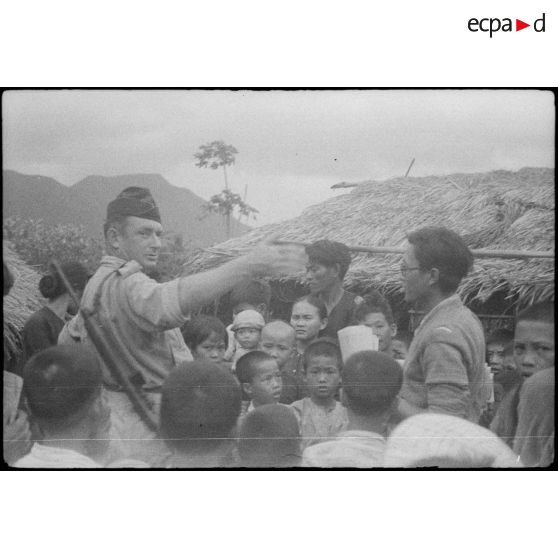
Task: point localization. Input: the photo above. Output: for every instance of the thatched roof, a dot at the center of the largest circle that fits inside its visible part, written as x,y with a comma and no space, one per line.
498,209
21,302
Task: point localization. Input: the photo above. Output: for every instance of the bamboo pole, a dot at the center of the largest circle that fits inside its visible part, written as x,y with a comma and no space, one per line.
502,254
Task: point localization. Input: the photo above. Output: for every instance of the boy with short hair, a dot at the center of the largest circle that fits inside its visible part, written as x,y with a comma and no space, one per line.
200,405
375,313
320,416
533,352
269,438
279,341
62,386
371,382
260,379
247,328
496,344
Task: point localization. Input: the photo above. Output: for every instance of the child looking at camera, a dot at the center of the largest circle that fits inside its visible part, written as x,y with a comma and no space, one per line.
320,416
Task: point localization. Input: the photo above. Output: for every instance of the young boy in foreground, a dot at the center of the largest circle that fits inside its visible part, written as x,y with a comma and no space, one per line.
320,416
371,382
199,409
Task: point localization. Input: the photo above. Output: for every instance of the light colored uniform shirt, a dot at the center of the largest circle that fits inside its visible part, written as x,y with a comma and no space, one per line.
49,457
444,369
353,448
140,319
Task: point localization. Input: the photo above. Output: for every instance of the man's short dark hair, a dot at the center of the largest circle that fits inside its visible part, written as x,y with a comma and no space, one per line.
270,437
324,346
445,250
538,312
371,380
373,303
60,382
329,253
199,406
499,336
247,366
253,292
200,327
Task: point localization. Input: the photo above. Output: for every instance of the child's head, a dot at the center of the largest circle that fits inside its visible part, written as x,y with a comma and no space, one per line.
534,338
375,312
371,382
308,318
206,337
495,345
400,344
270,437
251,295
322,369
62,385
247,327
260,378
278,341
200,405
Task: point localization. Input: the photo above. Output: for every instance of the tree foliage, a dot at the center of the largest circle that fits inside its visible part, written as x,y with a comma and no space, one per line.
215,154
219,154
38,243
227,202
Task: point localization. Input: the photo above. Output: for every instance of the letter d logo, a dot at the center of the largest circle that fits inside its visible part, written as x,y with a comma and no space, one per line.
536,24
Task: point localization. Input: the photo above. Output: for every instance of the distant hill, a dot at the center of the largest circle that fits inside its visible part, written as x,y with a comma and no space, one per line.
84,203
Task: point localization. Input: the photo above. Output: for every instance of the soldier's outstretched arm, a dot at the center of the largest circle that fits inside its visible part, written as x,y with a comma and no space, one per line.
267,259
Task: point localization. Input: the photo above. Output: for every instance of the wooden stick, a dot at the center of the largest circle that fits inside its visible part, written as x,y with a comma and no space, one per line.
502,254
409,169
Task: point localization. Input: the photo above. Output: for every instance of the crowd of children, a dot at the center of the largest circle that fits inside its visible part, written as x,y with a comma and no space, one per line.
265,393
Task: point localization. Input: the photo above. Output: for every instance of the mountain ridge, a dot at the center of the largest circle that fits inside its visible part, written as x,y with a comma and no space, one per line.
84,203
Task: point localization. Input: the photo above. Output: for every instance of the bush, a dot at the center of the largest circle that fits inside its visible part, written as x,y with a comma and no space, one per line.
38,243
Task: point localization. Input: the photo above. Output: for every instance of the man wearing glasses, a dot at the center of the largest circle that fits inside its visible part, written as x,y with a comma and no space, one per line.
444,369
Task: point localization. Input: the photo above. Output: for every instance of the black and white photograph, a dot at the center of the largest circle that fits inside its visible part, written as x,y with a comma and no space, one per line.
283,279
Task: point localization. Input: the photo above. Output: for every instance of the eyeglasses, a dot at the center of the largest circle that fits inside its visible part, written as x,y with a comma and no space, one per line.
404,270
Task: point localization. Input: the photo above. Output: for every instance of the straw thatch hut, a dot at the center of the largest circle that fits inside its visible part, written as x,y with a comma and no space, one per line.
23,299
495,210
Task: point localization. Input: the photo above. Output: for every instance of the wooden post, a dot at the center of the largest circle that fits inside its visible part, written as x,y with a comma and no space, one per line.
502,254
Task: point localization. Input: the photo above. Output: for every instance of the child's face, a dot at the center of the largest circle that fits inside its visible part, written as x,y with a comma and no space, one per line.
248,337
278,342
381,329
495,357
305,318
267,384
533,347
212,348
322,377
399,349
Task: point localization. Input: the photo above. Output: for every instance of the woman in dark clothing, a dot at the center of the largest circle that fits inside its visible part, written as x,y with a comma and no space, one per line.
43,327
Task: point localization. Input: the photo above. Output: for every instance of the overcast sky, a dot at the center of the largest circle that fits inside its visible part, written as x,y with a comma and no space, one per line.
293,145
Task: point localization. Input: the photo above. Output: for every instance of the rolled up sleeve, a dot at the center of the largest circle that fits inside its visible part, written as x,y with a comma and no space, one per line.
447,384
153,305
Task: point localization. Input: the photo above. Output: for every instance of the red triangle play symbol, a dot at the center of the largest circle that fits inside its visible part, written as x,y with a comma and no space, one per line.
519,25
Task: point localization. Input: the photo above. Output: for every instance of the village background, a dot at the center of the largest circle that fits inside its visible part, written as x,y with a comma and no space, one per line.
230,168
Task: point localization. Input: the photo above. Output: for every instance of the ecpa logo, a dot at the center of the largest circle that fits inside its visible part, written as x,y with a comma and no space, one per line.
494,24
